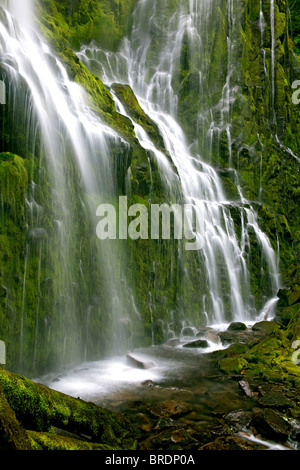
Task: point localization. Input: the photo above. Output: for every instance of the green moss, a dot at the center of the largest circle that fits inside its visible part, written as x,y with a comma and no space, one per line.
233,365
270,358
38,408
13,184
77,23
132,106
48,441
12,436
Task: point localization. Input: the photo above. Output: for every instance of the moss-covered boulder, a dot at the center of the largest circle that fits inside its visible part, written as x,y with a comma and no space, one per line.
31,411
271,356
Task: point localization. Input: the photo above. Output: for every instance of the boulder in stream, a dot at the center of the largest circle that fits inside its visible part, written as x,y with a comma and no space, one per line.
199,343
237,326
268,423
139,363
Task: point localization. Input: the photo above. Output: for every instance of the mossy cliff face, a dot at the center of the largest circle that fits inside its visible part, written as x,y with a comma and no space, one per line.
78,22
269,169
258,133
53,312
260,116
13,186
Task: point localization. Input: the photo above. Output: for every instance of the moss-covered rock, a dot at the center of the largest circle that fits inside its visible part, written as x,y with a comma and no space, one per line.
270,357
38,408
80,22
12,435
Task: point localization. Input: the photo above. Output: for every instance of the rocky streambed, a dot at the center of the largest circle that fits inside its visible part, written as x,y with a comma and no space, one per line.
199,408
234,388
202,392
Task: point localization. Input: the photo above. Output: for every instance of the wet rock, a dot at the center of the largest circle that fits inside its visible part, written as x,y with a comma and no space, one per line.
233,365
237,326
55,380
202,331
227,337
295,436
171,440
283,295
148,384
230,443
265,327
63,432
166,423
199,343
270,424
138,363
188,331
169,408
238,419
212,337
245,387
275,400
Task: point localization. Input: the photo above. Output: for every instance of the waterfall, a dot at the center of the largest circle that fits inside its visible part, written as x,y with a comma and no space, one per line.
273,47
167,53
70,152
149,61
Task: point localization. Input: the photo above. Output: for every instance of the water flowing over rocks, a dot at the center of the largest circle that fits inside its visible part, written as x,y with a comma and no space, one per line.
153,101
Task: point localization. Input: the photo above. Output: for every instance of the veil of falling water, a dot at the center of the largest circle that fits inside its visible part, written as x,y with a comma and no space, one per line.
149,61
75,149
76,169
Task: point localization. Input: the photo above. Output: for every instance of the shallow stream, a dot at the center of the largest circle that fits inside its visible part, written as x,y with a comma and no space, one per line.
182,391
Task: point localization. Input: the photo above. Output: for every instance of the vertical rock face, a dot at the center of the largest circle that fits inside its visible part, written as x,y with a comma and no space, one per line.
223,71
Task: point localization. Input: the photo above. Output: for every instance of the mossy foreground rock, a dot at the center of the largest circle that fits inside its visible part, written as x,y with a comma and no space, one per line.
273,356
30,412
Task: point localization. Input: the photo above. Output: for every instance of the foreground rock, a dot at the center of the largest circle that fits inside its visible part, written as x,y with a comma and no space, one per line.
169,408
271,425
139,363
30,412
199,343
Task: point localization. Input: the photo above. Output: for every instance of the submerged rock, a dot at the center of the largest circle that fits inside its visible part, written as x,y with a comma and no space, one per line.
213,337
188,331
173,342
199,343
138,363
171,439
169,408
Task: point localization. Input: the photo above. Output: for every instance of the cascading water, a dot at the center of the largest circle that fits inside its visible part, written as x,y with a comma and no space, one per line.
150,60
81,281
167,54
